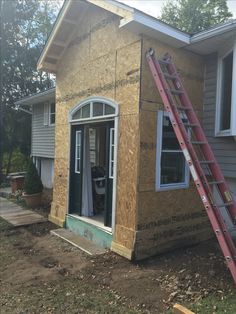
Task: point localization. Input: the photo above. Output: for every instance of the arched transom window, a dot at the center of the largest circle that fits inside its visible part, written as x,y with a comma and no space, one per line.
93,109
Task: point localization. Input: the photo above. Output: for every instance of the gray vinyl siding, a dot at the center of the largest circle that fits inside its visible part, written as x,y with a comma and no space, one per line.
224,147
43,136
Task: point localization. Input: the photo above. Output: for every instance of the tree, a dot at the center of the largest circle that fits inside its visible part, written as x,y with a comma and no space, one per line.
33,183
25,26
193,16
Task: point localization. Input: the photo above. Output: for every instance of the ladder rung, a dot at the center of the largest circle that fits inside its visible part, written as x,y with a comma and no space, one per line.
183,108
206,162
198,142
215,182
164,61
224,204
170,77
176,91
191,125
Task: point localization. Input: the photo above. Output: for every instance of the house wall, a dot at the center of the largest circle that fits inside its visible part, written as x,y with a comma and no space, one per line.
43,136
224,148
102,60
166,219
47,172
45,167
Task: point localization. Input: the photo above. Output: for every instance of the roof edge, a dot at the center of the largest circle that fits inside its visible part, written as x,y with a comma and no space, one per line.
34,97
213,31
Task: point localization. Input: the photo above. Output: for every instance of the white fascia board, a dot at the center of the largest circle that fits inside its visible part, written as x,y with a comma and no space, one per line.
215,31
121,5
37,98
53,33
153,25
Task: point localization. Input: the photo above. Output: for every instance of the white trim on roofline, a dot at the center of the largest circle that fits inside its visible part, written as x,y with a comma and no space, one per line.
138,21
157,25
36,98
121,5
52,35
214,31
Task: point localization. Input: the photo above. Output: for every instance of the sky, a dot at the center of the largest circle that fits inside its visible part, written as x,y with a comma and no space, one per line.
153,7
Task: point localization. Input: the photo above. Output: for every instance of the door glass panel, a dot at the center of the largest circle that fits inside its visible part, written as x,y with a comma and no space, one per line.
111,153
78,166
111,169
78,146
78,153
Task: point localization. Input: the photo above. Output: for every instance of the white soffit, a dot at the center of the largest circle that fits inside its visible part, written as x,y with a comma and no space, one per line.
211,40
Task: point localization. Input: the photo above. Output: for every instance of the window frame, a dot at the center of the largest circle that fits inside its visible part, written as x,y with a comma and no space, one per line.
90,101
46,114
232,130
50,114
159,151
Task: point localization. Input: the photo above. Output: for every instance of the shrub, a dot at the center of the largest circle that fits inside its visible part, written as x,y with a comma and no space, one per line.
33,183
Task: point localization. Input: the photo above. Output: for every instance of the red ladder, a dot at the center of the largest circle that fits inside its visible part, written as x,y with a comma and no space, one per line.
203,166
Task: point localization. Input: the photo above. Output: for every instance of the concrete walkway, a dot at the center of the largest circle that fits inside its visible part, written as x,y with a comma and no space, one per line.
16,215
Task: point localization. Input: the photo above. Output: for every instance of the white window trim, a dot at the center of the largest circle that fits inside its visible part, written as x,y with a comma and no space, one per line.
46,114
232,130
90,101
172,186
50,114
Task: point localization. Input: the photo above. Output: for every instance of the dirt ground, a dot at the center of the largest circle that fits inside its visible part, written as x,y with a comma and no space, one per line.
43,274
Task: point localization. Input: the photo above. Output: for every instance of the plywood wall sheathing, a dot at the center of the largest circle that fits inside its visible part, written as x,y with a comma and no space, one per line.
166,219
101,60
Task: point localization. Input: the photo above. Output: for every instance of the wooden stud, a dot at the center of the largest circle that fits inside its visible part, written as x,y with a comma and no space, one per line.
179,309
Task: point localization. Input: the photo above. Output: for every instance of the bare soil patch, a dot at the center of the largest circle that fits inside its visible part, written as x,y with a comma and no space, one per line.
43,274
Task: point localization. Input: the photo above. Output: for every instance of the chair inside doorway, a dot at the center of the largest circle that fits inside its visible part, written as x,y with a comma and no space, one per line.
97,141
101,151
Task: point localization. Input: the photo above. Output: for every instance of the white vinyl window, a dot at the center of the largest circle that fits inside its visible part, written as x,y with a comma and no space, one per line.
111,153
49,114
52,114
45,114
226,93
172,171
78,137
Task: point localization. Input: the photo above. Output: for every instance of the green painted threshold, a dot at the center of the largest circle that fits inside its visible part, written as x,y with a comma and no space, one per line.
88,231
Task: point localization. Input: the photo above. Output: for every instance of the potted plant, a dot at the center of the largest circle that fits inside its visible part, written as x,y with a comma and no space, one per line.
33,187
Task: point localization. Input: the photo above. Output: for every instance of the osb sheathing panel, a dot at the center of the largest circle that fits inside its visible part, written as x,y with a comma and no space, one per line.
125,236
101,60
189,65
127,171
171,218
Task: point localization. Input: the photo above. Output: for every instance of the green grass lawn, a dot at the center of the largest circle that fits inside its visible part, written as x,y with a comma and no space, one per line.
215,303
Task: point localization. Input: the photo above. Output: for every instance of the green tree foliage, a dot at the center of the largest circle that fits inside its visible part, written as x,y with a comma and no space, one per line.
195,15
33,183
25,26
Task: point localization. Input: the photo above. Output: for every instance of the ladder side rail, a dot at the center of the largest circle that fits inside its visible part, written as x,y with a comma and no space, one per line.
214,215
206,149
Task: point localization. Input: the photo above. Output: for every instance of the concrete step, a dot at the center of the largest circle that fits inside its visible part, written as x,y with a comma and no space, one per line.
78,241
